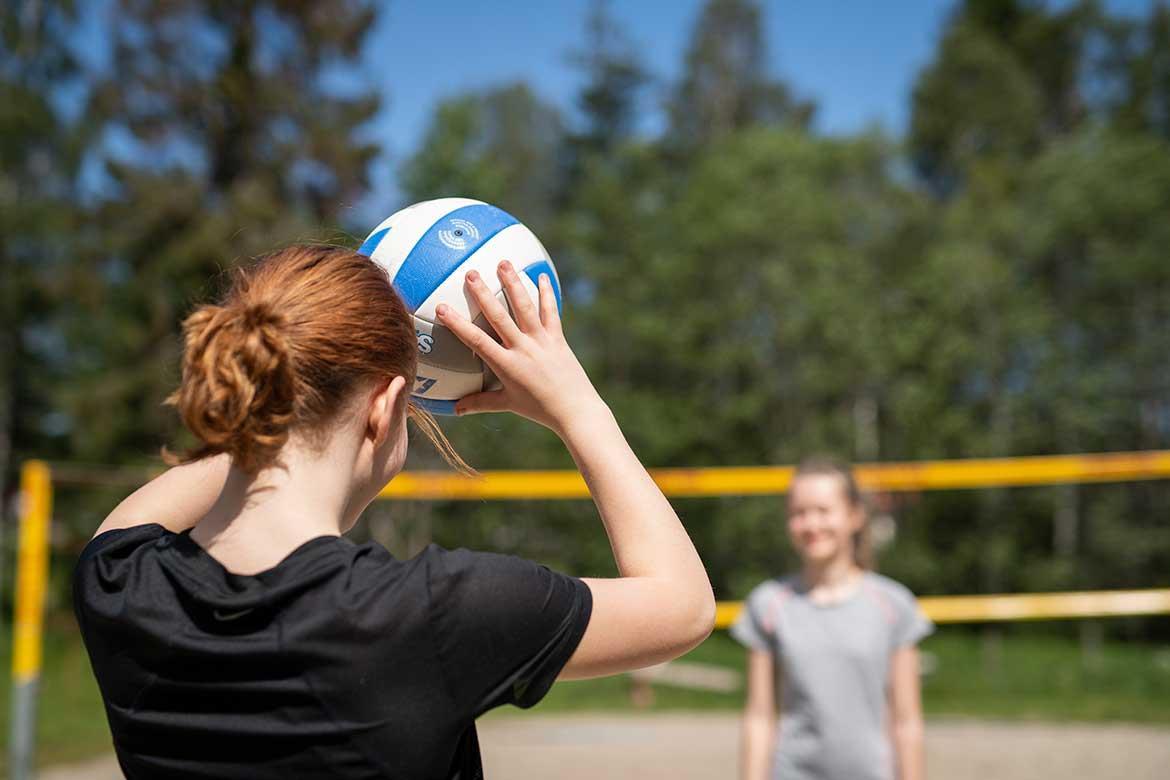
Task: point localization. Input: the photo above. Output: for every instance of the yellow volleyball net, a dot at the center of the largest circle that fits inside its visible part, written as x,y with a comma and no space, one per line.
38,479
774,480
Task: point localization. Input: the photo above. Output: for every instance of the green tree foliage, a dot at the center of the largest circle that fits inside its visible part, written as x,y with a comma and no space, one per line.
1009,76
975,102
614,77
1137,73
725,84
1050,43
222,141
500,146
776,249
38,214
609,103
1094,206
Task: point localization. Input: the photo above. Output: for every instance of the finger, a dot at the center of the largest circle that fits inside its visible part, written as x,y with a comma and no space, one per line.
493,311
472,335
549,314
518,298
488,401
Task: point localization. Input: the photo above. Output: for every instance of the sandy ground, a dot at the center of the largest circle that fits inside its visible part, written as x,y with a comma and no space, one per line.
683,746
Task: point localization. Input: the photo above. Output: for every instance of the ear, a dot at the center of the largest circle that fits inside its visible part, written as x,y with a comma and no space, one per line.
387,410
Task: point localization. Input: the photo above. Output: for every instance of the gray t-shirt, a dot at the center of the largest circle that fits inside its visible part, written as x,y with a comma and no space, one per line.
833,668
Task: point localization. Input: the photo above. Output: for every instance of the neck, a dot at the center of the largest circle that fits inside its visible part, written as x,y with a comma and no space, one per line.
258,520
831,573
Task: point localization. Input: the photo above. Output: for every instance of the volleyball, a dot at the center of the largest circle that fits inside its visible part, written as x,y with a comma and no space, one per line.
427,249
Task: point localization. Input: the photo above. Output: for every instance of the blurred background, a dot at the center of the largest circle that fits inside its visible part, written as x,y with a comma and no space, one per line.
892,231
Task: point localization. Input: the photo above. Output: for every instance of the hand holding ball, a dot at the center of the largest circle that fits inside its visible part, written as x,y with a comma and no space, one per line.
428,249
541,377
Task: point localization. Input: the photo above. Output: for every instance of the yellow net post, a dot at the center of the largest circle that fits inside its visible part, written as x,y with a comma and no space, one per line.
32,570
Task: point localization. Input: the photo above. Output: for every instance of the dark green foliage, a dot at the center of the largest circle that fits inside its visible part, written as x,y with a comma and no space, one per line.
38,162
1010,75
1136,73
614,78
725,85
500,146
229,146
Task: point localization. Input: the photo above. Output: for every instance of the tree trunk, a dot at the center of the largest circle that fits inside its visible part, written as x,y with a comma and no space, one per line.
866,437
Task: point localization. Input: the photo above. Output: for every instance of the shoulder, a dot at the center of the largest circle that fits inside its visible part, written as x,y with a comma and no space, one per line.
116,551
119,542
455,560
894,599
758,625
367,574
111,562
484,586
771,591
478,573
909,624
767,600
463,562
891,589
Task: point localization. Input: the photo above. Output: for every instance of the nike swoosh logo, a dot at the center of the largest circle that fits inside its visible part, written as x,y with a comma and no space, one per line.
221,615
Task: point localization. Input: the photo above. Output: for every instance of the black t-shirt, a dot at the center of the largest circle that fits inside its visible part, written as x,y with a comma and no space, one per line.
339,662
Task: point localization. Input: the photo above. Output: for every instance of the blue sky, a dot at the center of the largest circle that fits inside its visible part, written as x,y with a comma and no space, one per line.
856,59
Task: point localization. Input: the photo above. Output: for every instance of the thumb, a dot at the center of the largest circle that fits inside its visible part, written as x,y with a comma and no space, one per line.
488,401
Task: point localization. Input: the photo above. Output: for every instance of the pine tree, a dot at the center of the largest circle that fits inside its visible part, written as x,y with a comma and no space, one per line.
1139,69
725,84
225,143
614,79
1009,78
38,217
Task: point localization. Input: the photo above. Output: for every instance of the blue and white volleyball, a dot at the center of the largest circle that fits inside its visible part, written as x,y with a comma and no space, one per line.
427,249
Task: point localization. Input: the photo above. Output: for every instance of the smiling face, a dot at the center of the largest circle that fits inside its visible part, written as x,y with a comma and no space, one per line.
822,520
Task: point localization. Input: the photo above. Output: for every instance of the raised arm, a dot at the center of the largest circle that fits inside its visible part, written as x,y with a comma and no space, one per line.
662,604
176,499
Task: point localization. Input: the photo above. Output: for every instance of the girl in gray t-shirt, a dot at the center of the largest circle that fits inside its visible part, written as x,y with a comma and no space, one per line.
835,645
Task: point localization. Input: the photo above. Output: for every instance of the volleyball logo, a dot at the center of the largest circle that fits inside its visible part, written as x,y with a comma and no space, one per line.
460,235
